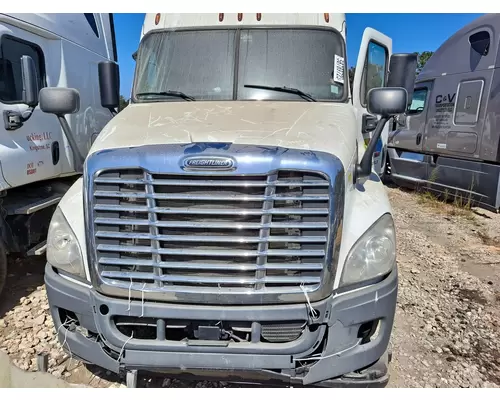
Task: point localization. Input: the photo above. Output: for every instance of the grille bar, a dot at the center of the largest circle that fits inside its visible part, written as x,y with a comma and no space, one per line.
211,211
222,253
159,196
209,225
212,280
207,266
209,239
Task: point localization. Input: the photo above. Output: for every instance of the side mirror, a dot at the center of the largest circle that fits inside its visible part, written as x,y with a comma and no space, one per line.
387,102
60,102
402,69
109,85
30,82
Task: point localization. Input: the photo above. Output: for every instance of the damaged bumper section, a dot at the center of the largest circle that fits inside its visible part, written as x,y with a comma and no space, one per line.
342,342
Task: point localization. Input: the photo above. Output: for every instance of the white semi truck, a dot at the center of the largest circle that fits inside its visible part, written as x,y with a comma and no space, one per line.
229,220
37,161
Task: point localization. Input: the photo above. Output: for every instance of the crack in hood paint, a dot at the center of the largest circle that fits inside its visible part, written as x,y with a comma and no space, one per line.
301,125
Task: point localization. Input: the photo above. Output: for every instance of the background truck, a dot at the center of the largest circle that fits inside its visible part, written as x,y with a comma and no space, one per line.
448,141
37,162
228,220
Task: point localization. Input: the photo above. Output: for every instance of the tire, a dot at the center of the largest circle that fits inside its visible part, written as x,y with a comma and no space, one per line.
3,266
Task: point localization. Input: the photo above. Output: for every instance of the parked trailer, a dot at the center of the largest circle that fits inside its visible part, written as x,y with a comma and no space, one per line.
38,164
229,221
449,139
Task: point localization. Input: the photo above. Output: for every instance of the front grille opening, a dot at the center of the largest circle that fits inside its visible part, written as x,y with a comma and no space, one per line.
232,331
246,233
68,318
282,332
137,328
366,331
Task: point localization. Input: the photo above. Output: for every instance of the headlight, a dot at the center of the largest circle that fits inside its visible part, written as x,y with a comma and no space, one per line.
373,255
63,251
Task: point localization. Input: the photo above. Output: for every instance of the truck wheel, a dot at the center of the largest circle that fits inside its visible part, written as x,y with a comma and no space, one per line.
3,266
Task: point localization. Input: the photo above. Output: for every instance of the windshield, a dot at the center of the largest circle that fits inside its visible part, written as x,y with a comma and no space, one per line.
218,64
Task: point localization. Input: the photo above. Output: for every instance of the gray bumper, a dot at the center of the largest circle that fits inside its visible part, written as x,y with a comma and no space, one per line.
336,330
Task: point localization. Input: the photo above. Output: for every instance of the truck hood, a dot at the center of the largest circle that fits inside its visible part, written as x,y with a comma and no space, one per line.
302,125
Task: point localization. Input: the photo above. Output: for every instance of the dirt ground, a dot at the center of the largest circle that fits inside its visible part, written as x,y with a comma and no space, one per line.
447,320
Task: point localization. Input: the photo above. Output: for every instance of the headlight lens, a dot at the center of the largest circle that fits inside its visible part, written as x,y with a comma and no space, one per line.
373,255
63,251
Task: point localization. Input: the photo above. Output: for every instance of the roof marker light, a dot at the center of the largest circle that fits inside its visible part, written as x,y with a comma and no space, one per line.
259,16
157,18
221,17
327,17
240,16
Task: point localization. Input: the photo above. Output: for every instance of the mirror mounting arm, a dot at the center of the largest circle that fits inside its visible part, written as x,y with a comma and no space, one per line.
78,159
364,167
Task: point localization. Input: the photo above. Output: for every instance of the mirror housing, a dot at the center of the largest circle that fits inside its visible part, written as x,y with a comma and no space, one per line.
387,101
30,82
402,69
59,101
109,85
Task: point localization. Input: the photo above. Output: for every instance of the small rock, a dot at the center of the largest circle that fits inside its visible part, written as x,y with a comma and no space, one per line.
425,363
42,334
3,324
415,271
57,374
40,320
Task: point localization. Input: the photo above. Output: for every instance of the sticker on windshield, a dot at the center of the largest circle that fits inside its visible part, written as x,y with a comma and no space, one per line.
338,72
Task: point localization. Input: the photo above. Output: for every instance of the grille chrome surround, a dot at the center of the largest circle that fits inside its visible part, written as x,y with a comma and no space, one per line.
259,235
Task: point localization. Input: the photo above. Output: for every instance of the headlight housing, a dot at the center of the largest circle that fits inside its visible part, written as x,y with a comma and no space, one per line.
373,255
63,250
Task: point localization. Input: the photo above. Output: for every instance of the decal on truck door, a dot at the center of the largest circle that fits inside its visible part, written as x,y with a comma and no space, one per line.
445,104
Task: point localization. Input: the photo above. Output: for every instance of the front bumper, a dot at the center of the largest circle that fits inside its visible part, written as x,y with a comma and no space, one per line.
328,352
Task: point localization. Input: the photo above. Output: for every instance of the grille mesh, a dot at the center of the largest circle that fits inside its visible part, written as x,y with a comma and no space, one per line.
241,232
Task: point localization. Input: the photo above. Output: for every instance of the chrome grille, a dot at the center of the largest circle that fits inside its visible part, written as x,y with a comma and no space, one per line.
196,232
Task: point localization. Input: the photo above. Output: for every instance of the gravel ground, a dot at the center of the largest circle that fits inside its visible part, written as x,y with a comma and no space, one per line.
447,320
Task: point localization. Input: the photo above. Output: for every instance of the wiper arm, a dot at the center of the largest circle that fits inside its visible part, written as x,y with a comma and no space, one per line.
168,93
283,89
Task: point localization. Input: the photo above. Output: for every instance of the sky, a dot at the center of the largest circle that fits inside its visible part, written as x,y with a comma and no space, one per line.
409,33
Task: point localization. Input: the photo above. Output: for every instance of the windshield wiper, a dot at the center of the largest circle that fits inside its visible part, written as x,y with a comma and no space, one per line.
283,89
168,93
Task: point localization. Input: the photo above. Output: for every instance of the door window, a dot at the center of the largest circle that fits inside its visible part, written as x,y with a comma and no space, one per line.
11,51
418,101
375,69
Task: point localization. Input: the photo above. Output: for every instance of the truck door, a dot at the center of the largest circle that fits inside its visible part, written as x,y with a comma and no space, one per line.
406,143
411,131
371,72
30,152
